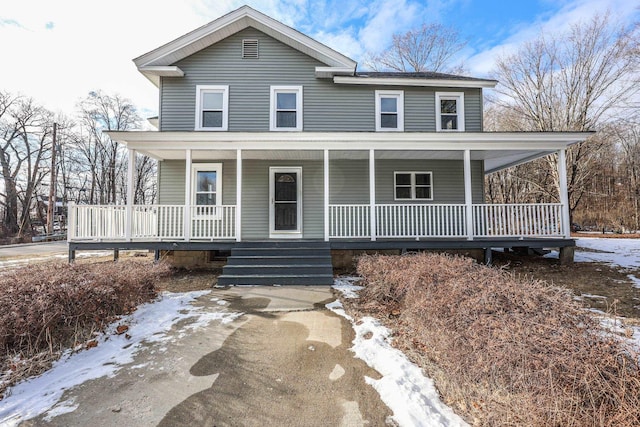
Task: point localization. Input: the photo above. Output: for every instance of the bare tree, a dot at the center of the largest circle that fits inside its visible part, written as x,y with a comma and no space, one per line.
574,81
25,146
105,158
429,48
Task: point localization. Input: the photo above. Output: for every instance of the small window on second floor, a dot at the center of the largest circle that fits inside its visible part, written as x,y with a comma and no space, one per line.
450,111
389,110
286,108
212,107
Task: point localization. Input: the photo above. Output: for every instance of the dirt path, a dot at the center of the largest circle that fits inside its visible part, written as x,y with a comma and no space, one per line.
276,365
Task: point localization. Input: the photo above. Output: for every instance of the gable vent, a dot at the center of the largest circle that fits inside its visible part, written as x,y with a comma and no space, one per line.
250,49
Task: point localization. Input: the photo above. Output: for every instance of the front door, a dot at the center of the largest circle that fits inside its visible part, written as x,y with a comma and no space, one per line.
285,195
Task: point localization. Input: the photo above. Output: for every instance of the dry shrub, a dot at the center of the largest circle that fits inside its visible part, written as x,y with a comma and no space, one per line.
46,308
504,351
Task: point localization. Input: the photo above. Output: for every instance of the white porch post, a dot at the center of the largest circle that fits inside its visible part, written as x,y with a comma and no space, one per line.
128,221
238,195
187,197
564,194
372,192
468,195
326,195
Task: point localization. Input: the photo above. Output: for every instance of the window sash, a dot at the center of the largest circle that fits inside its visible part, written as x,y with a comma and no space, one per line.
389,110
450,111
286,108
419,186
206,184
212,110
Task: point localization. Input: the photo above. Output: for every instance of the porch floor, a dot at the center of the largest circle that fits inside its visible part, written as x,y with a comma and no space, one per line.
486,244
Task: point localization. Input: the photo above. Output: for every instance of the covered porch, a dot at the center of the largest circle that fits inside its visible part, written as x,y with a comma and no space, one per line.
348,189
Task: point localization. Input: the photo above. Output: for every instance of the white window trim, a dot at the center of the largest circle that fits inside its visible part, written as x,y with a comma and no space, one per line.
199,167
399,95
200,89
413,184
272,116
459,97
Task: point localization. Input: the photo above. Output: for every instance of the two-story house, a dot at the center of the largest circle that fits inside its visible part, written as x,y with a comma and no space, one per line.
269,139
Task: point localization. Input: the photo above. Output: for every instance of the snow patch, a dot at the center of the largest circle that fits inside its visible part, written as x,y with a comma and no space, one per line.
346,286
148,324
403,387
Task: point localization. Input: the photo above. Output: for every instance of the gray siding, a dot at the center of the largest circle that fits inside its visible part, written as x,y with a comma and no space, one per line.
348,181
327,106
255,198
448,179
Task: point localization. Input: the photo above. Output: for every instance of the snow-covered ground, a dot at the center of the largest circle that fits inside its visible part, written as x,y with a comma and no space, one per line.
21,262
411,396
624,253
149,323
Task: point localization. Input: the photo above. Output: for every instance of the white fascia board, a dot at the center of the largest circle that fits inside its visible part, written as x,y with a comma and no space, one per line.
153,73
403,81
162,70
232,23
329,72
531,141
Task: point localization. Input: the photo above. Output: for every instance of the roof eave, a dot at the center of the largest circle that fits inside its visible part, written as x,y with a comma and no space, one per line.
153,73
404,81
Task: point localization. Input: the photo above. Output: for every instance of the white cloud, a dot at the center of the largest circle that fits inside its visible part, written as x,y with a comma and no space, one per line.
569,14
58,51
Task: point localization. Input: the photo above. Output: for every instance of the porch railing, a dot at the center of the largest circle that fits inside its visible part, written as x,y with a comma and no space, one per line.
394,220
151,222
349,221
447,220
346,221
518,220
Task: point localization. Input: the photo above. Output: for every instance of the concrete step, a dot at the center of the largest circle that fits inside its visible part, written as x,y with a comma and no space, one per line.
278,263
288,251
301,269
278,260
280,244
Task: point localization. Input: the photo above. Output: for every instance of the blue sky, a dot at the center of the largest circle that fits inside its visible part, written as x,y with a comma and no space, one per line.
58,51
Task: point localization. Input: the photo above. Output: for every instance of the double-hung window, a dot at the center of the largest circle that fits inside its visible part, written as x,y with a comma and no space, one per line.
286,108
450,111
207,187
389,110
413,185
212,107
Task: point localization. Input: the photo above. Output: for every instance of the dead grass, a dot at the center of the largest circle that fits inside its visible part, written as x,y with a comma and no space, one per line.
503,351
47,308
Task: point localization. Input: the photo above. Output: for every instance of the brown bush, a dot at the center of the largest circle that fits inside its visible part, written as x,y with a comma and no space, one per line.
46,308
504,351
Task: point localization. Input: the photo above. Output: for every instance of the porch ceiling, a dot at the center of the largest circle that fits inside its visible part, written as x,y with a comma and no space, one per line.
499,150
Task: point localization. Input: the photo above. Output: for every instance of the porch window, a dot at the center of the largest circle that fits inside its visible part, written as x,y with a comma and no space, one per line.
207,184
413,185
389,110
450,111
212,111
286,108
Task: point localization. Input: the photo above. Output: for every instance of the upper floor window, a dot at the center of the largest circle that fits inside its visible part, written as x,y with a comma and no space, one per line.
450,111
286,108
389,110
212,107
413,186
